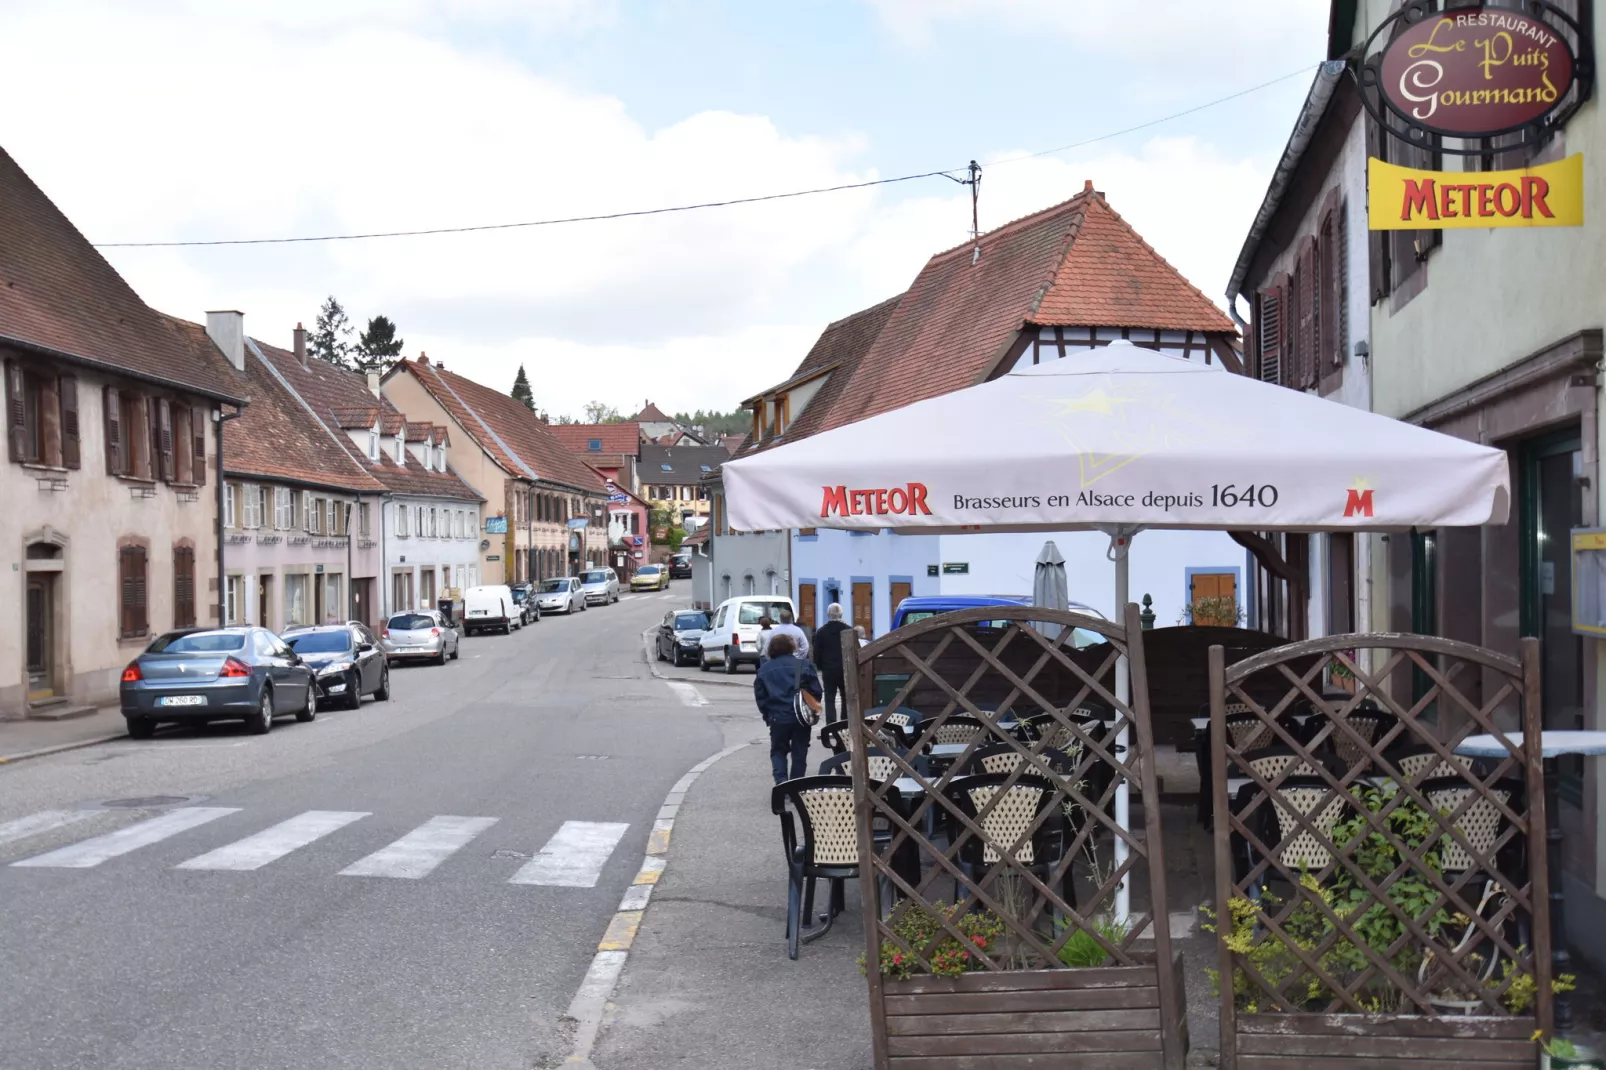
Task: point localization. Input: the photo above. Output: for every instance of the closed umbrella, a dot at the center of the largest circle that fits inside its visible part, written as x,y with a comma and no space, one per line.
1049,590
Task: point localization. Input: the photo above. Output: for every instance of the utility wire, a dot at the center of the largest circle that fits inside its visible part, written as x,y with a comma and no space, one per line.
947,173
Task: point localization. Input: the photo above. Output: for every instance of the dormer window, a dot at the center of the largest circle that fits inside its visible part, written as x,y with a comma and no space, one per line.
373,445
666,467
401,450
594,445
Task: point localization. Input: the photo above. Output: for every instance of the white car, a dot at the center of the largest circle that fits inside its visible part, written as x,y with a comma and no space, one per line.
601,586
732,636
490,608
560,594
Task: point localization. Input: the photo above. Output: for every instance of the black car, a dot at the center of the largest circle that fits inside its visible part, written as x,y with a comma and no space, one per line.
524,596
216,674
680,635
347,661
680,567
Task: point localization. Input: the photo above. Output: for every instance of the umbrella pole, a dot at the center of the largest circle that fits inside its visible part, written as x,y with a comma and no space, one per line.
1120,543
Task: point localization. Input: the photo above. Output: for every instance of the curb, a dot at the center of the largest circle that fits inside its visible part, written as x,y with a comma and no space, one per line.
58,748
705,678
591,999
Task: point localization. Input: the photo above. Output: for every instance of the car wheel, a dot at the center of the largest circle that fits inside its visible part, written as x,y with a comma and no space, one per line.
141,727
658,650
457,649
310,711
383,693
354,691
260,723
702,660
440,659
730,662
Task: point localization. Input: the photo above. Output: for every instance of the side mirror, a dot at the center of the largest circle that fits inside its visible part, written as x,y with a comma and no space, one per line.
363,648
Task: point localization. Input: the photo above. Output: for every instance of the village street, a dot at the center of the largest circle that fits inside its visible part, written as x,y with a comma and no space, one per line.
154,948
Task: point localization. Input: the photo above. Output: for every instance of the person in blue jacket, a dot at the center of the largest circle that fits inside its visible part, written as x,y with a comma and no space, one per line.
774,688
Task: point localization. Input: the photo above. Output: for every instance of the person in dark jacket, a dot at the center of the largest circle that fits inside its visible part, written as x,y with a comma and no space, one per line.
774,688
828,656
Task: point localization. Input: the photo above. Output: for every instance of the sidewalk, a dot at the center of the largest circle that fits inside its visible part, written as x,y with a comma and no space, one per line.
23,739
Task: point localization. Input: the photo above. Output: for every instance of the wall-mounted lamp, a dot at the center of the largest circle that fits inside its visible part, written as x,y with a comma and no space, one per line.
1363,351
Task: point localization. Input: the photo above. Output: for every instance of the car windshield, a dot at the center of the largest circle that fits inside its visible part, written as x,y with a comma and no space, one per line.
520,594
554,586
199,643
320,642
599,576
751,611
686,622
411,622
647,570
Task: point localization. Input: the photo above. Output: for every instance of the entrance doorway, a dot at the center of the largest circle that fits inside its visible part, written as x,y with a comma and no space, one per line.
41,635
264,601
362,600
864,608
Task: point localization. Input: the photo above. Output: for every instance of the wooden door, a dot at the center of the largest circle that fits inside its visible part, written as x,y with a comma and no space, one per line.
1215,596
806,608
264,601
40,630
864,608
899,592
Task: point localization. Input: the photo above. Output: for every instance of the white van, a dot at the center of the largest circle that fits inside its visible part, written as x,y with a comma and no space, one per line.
490,609
732,636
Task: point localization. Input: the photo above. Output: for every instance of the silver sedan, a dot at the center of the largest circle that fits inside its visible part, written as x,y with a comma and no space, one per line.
422,635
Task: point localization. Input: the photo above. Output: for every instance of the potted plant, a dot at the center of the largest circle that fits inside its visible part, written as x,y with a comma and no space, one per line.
1561,1054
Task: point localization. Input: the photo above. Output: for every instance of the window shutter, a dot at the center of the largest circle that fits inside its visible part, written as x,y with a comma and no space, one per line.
112,405
132,588
16,413
1377,259
1310,313
306,510
1268,340
1327,308
183,587
198,422
164,425
1341,284
67,393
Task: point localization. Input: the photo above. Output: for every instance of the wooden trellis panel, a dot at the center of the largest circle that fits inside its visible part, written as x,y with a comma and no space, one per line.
1033,841
1355,824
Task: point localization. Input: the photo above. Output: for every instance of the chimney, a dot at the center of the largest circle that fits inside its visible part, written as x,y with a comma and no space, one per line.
423,358
1087,185
227,331
373,383
300,335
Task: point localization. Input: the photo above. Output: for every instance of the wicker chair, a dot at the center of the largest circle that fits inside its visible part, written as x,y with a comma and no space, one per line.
1007,822
1299,849
1481,825
879,761
828,848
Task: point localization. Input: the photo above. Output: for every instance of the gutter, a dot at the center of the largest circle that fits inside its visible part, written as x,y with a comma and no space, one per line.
1315,106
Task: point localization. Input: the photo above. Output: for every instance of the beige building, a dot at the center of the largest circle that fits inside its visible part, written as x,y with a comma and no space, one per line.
110,521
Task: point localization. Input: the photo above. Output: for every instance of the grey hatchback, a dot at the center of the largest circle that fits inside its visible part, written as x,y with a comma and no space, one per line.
218,674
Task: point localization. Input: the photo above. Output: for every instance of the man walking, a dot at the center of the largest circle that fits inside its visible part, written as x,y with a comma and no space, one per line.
828,658
800,642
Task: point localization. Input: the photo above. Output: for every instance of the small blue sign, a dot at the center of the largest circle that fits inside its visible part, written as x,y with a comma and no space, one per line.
496,525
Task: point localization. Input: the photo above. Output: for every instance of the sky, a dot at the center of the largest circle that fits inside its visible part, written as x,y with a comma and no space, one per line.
194,120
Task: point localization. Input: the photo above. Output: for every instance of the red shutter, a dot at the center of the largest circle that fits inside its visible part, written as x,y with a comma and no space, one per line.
112,404
1269,334
164,470
71,450
16,413
198,421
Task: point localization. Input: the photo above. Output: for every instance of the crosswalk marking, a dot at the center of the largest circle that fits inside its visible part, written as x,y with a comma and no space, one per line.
94,851
421,850
43,821
574,856
272,844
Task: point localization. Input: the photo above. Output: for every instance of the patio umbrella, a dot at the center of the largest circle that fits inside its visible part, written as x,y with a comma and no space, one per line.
1119,440
1049,589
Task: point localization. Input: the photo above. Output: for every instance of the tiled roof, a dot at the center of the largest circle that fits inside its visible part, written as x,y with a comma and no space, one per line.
603,460
58,293
614,438
419,432
733,443
355,417
515,437
391,423
651,414
685,463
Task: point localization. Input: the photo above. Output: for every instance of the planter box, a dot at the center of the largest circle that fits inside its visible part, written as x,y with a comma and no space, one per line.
1383,1042
1107,1018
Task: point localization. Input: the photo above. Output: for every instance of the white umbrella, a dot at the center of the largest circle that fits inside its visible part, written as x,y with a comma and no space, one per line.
1120,440
1049,589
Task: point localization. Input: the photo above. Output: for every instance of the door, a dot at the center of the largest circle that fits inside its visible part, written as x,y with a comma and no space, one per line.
806,608
362,596
864,608
899,591
41,625
1213,597
264,601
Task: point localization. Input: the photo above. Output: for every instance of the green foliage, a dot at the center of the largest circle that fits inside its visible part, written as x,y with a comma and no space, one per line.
331,336
521,390
1081,951
378,343
597,412
676,537
924,934
1223,611
715,422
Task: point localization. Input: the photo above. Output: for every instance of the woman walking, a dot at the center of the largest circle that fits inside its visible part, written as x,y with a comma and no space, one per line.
775,689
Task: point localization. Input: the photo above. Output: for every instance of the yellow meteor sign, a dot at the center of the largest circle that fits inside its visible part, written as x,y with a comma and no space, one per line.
1550,195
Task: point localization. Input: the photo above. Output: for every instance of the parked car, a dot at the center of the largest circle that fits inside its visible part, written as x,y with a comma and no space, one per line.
490,608
680,635
347,662
419,635
600,585
560,594
524,595
732,636
922,607
680,567
650,578
216,674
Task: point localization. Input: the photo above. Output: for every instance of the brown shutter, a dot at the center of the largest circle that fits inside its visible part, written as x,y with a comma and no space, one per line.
164,423
1377,259
1304,356
131,562
71,450
183,587
198,421
1327,307
112,404
16,413
153,440
1268,335
1341,284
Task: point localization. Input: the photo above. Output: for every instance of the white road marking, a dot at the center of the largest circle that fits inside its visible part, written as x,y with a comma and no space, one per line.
43,821
94,851
574,856
687,693
272,844
421,850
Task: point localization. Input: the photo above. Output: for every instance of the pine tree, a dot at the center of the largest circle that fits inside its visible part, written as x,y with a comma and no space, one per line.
330,339
378,343
521,390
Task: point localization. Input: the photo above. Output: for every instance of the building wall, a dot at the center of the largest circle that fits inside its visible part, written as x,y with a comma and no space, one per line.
761,556
87,521
452,555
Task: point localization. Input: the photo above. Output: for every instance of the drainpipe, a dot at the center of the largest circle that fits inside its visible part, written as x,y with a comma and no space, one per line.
350,569
219,417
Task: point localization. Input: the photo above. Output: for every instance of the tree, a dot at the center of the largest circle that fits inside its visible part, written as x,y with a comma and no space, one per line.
715,422
599,413
521,390
330,339
378,343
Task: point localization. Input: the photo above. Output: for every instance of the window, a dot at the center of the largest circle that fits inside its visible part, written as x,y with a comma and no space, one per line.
314,515
183,587
594,445
333,610
305,511
42,417
373,445
666,468
283,508
228,505
337,517
705,468
434,530
402,514
234,600
132,592
418,520
401,592
253,500
426,587
1269,334
295,600
364,525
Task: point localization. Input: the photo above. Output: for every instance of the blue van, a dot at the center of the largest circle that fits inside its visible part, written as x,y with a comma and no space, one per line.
919,607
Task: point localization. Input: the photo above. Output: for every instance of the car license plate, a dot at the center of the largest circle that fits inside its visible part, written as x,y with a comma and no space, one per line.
182,700
479,613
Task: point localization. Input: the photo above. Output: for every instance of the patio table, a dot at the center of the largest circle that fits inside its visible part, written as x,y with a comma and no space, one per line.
1552,745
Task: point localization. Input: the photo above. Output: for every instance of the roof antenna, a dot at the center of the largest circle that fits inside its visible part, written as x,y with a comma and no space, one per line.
974,182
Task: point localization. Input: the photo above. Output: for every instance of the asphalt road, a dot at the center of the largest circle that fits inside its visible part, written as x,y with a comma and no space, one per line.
219,930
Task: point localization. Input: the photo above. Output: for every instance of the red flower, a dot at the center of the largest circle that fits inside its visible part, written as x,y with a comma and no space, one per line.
897,960
979,941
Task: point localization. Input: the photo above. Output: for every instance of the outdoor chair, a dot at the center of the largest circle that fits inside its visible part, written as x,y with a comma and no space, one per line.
958,729
828,849
879,761
1422,763
1006,757
1006,823
1369,721
1297,849
839,738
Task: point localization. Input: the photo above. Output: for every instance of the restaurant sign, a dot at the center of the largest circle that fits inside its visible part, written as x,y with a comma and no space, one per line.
1401,198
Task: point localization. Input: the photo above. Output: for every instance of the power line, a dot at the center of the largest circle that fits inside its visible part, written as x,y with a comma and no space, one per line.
945,173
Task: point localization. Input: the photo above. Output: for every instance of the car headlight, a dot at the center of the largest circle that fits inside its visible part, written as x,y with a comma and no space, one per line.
334,668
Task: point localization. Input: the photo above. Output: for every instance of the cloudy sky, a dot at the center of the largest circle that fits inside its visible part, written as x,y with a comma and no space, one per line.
208,119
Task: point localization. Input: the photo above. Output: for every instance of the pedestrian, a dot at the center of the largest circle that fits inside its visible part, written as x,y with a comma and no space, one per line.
828,659
764,627
775,690
787,627
858,630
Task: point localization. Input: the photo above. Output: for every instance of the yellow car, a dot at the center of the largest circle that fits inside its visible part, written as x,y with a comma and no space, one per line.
650,578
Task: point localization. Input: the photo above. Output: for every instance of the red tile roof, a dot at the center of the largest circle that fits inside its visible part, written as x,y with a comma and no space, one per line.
651,414
58,293
516,439
616,438
355,417
391,423
419,432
